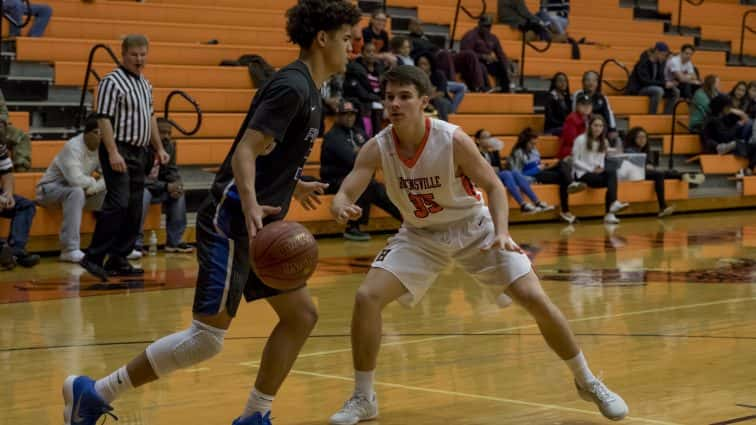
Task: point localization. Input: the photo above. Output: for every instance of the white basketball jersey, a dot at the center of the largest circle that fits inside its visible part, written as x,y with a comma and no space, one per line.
425,188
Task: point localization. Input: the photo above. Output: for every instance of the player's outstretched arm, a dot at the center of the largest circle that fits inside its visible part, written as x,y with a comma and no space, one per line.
252,144
471,163
368,160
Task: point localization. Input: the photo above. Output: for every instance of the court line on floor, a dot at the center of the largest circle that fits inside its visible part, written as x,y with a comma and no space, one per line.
515,328
480,397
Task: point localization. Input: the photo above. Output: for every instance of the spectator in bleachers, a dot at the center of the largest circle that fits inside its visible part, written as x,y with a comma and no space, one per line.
555,13
332,92
488,49
515,182
636,141
699,107
17,141
728,130
164,186
362,82
16,9
558,104
401,47
600,102
357,43
439,98
589,165
739,96
574,124
647,79
680,68
526,159
452,90
68,184
420,41
340,147
21,212
751,110
376,33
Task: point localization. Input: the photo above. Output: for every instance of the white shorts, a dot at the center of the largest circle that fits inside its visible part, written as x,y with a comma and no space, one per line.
417,255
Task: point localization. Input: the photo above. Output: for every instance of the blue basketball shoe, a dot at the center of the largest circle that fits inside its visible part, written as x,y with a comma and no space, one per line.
83,405
256,419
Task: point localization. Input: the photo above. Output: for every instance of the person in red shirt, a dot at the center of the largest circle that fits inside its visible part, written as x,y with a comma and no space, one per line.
574,124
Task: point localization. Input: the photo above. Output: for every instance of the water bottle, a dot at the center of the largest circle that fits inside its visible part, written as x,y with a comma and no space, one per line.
153,244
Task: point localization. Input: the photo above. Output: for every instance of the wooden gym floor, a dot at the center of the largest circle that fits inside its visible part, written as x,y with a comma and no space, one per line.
665,312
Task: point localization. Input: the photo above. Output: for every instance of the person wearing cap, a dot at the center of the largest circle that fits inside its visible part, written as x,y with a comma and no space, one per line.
17,141
600,102
488,49
68,184
575,124
647,79
340,147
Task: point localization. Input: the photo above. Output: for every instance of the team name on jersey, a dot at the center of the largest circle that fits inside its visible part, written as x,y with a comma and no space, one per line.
420,183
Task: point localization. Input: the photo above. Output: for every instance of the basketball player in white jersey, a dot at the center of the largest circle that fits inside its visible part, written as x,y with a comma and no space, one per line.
428,167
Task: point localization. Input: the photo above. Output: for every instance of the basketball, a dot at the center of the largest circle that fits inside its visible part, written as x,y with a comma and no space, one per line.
284,255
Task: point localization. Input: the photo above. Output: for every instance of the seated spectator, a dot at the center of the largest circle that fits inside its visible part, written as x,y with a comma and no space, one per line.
515,14
751,110
729,130
558,104
555,13
514,181
600,102
488,49
21,212
439,98
420,42
362,82
739,96
574,125
680,68
375,32
526,159
16,9
68,185
589,166
164,186
636,141
699,107
401,48
332,91
16,140
647,79
340,147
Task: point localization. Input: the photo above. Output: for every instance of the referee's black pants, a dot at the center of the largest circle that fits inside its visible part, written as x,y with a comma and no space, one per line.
118,224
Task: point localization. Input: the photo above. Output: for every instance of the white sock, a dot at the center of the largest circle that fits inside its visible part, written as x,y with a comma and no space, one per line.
257,402
113,385
363,382
579,368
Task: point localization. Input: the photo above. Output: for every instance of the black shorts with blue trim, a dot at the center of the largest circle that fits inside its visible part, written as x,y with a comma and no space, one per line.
224,273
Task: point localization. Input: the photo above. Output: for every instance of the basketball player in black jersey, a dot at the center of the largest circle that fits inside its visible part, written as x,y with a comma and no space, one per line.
254,186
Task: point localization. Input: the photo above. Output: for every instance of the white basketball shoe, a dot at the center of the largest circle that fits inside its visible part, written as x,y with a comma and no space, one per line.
611,405
357,409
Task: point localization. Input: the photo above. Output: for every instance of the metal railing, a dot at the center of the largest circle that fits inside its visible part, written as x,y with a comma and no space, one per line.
468,13
196,109
679,12
82,112
601,75
524,30
744,27
671,161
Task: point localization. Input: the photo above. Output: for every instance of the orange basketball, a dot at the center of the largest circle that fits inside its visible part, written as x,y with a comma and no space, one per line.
284,255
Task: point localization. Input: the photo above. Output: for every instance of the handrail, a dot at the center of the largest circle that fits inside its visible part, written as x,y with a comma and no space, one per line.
679,12
196,108
601,75
469,14
81,113
524,30
671,162
744,27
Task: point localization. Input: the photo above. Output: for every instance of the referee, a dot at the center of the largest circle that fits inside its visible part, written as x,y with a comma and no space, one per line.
128,126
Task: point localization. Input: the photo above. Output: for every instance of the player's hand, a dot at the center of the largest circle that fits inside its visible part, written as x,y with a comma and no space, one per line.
116,162
308,193
504,242
163,156
348,213
255,218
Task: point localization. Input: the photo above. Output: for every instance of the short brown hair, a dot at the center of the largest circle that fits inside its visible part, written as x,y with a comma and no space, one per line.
407,74
134,40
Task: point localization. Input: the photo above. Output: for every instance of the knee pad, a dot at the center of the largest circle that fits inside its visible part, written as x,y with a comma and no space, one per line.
186,348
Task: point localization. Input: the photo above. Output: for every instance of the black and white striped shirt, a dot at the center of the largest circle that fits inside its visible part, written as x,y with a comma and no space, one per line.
126,99
6,165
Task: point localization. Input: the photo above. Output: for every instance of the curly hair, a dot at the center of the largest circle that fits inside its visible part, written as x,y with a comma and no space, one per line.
308,17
